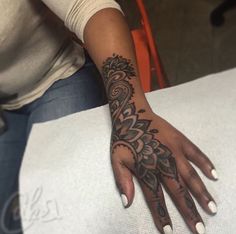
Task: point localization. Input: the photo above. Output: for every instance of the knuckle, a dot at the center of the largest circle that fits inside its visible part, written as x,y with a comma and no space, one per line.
155,198
175,139
200,193
152,200
194,179
205,161
178,193
192,150
203,191
192,175
176,136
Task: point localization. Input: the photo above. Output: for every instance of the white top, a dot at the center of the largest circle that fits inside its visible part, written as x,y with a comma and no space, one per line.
68,186
36,48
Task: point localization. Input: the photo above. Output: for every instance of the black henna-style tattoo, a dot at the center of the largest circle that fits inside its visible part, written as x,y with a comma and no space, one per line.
161,210
191,206
152,158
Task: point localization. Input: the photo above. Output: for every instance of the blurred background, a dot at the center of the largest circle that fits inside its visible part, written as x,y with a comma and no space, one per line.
189,45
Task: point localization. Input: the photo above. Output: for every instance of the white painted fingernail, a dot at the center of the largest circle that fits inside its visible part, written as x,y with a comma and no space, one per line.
167,229
124,200
200,228
212,206
214,174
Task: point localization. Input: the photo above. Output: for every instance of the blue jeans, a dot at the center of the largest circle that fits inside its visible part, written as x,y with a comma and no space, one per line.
83,90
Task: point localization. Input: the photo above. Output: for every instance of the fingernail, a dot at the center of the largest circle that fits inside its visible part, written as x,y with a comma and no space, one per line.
212,206
214,174
167,229
200,228
124,200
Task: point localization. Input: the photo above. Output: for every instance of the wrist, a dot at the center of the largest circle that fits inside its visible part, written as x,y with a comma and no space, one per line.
137,110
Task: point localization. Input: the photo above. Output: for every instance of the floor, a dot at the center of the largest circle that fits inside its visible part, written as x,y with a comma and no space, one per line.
189,46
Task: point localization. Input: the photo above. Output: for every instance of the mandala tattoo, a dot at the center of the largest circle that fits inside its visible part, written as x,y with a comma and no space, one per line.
153,160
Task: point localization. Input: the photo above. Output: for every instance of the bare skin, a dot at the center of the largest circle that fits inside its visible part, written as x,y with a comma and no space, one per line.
142,143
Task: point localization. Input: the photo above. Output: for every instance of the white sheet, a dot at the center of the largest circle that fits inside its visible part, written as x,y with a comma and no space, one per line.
66,181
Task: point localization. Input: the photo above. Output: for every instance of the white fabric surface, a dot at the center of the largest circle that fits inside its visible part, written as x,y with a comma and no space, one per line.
66,181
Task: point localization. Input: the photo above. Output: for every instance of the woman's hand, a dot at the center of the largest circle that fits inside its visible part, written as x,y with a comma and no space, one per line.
145,145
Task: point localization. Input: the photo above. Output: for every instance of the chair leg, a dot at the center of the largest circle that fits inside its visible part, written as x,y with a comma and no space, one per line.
217,15
161,79
143,58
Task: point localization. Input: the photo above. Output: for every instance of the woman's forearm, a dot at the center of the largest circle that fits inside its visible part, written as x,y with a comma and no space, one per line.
141,141
109,43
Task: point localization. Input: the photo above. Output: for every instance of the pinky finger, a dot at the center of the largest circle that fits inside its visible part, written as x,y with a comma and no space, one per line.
196,156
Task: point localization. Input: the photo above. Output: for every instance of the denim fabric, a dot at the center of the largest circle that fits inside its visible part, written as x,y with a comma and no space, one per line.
83,90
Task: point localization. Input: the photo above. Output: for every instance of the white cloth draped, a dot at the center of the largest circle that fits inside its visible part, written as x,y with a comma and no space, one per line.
66,180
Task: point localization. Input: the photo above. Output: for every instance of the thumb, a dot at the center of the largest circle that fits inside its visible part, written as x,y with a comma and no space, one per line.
124,182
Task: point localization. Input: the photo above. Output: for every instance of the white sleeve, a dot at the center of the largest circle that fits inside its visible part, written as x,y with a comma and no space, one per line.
76,13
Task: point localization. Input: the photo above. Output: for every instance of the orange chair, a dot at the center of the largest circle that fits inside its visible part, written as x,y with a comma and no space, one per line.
146,52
